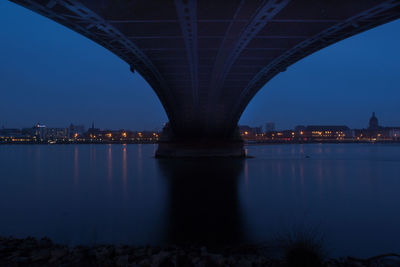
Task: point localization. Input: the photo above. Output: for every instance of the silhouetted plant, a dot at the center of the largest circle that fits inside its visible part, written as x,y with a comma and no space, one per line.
303,248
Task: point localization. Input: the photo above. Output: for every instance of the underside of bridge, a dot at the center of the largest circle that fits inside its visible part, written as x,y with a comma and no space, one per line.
206,59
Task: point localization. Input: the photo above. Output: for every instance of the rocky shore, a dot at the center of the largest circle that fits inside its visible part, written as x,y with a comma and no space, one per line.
32,252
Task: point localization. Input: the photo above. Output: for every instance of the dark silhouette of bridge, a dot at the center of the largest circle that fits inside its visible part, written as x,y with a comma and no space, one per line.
206,59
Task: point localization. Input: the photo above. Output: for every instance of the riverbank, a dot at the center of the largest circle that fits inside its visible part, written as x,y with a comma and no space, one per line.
291,142
32,252
61,142
246,142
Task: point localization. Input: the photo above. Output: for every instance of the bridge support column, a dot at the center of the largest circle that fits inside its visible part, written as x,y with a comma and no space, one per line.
199,147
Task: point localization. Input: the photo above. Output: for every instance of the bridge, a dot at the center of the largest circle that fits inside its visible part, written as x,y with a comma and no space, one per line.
207,59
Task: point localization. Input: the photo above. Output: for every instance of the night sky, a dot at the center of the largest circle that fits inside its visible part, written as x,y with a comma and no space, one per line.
53,75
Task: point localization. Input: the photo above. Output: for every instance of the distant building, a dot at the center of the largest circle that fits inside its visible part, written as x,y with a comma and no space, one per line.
57,133
299,128
389,133
394,134
337,132
94,133
75,131
250,132
269,127
10,133
29,132
373,123
40,131
375,132
286,135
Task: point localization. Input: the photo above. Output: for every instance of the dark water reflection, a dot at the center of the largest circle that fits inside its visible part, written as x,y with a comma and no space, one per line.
121,194
203,200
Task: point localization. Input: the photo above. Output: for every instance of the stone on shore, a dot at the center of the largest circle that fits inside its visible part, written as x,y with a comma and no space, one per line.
30,252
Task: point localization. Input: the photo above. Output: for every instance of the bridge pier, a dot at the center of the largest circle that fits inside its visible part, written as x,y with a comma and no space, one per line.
201,148
171,146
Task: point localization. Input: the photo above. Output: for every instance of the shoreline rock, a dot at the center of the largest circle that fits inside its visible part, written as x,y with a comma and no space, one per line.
32,252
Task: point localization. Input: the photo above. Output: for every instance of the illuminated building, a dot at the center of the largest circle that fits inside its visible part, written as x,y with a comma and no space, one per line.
75,131
395,134
93,133
8,134
248,132
40,131
331,132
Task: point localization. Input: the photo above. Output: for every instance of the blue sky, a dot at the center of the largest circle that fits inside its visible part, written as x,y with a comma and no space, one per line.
51,74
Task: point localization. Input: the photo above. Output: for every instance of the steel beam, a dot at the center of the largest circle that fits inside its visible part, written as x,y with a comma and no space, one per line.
351,26
224,62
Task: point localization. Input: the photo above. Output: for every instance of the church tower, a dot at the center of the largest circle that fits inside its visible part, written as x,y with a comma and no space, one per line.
373,122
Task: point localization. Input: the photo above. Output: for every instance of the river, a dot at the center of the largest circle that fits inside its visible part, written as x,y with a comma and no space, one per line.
93,194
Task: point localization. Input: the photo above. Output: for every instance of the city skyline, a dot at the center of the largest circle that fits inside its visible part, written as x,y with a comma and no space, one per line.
76,134
96,85
264,126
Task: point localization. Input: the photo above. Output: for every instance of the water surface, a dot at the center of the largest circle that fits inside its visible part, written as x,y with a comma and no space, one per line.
90,194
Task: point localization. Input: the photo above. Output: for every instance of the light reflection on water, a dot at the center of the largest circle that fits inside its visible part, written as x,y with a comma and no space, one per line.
76,165
121,194
109,163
